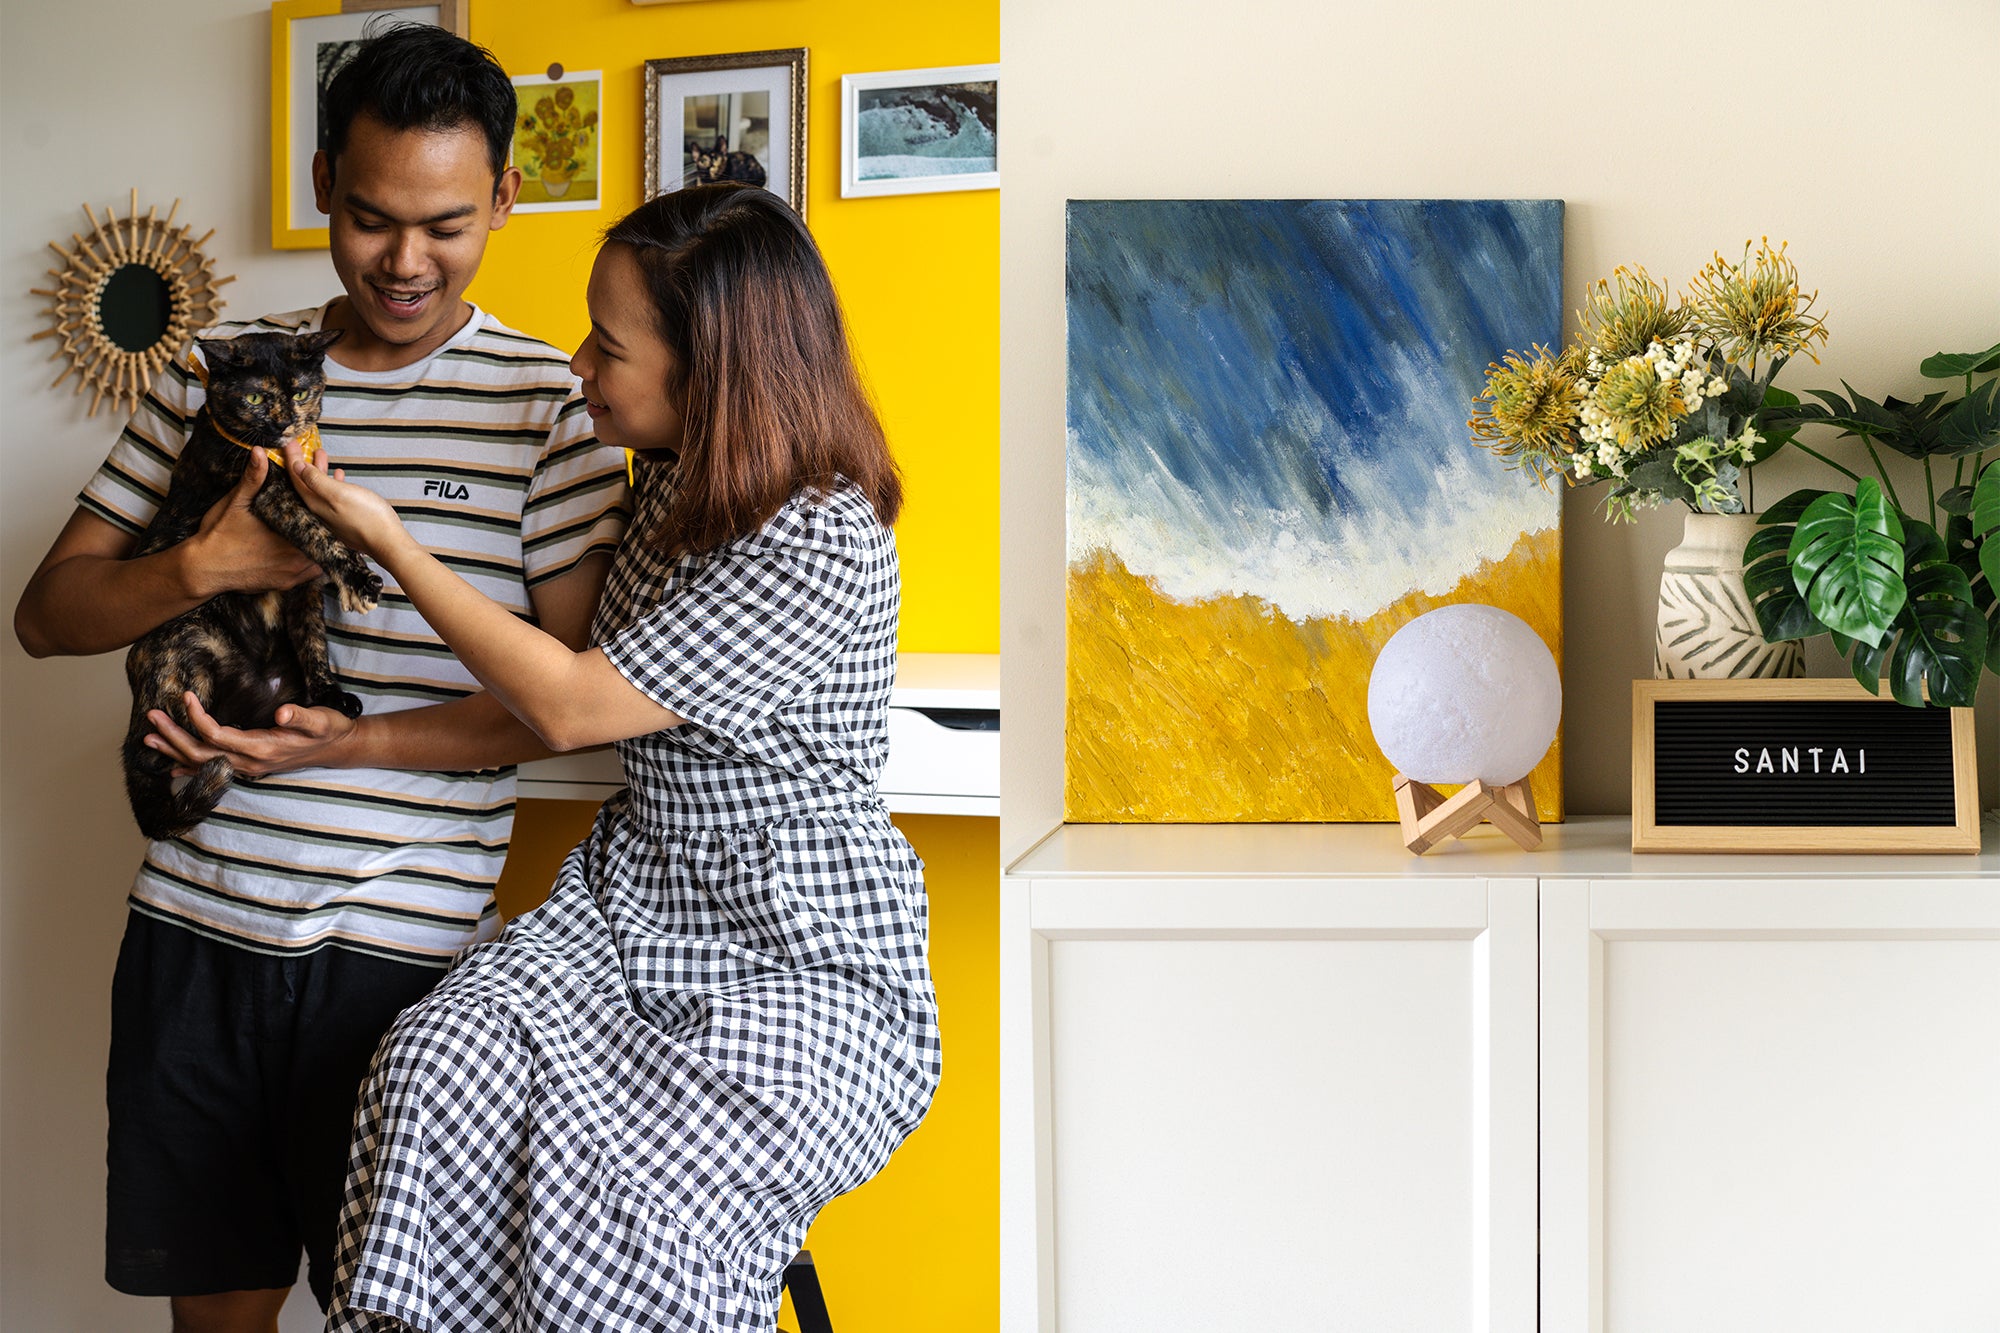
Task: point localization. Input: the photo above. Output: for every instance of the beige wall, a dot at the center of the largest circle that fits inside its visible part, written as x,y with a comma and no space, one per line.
99,96
1864,134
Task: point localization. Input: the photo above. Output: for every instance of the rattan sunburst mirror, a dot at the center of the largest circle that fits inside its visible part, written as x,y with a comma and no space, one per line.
127,299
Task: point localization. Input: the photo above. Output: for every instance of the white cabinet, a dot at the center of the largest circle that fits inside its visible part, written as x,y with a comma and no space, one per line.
1263,1077
1771,1103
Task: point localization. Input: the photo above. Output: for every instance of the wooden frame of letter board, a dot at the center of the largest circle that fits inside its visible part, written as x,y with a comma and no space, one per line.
1648,836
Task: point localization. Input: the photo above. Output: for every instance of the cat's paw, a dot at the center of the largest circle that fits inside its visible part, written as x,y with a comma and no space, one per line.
359,589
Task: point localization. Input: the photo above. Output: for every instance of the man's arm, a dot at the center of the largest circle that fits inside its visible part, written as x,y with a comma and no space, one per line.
87,597
470,733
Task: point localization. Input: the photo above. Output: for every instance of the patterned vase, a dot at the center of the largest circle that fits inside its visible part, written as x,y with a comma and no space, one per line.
1707,629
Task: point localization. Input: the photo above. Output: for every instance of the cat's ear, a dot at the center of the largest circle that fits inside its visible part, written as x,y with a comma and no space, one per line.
219,352
315,344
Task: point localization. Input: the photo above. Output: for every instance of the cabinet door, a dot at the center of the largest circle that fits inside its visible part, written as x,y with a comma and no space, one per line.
1770,1105
1269,1104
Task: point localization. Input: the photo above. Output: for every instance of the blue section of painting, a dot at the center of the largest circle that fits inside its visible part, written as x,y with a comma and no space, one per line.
1262,351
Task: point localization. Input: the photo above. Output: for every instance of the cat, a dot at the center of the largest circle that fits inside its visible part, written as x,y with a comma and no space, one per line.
720,164
243,654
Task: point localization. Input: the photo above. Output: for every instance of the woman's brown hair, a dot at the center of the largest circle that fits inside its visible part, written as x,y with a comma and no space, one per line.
771,403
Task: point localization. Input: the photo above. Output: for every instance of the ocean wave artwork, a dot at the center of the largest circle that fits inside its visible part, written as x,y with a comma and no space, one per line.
930,130
1269,473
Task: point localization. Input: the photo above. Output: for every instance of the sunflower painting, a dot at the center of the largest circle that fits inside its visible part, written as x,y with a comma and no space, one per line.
1269,473
558,140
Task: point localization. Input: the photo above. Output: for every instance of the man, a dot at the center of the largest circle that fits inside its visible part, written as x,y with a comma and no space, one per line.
268,950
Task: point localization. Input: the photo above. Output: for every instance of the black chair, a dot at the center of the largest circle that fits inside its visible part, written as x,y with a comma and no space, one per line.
802,1280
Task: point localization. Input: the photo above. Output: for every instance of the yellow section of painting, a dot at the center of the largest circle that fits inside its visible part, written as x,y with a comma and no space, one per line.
1227,710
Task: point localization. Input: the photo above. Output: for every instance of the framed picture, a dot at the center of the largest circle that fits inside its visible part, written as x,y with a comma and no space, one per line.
739,117
1798,766
916,131
310,41
559,140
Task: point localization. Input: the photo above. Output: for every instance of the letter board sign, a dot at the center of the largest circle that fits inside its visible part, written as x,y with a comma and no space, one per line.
1798,766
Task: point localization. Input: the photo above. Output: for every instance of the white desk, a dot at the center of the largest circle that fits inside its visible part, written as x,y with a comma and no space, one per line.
944,744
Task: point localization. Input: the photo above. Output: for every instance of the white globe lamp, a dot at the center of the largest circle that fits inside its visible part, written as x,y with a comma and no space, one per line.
1470,695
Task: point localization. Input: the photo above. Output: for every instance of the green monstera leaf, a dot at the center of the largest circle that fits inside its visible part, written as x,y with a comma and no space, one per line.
1985,517
1847,561
1781,608
1951,365
1941,639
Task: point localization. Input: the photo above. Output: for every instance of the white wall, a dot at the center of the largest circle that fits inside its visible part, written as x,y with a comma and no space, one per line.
1863,133
99,96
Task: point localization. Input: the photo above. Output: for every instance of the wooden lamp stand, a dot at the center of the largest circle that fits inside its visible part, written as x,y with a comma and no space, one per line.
1429,817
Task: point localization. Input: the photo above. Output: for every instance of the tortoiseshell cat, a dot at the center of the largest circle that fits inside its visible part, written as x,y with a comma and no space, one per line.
242,654
720,164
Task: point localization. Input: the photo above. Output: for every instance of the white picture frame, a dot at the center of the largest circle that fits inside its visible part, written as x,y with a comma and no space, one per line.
752,102
545,190
947,113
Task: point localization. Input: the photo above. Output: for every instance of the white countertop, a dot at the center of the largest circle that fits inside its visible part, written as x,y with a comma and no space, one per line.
1586,846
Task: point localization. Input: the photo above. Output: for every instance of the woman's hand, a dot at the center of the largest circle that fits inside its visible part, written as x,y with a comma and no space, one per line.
357,515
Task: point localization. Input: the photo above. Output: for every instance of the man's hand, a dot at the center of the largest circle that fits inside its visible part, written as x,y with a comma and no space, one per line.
302,738
233,551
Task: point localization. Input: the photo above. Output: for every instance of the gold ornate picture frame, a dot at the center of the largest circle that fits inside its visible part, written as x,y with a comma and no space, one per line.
310,41
746,113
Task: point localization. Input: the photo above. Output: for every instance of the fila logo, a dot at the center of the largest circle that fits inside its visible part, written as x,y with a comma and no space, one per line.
447,490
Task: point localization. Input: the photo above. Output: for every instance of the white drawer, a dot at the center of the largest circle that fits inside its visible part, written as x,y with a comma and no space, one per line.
943,761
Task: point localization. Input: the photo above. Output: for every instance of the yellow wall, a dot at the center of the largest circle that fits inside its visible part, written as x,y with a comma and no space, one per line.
919,273
917,1248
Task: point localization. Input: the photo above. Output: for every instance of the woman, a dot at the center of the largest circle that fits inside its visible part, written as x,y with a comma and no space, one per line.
625,1112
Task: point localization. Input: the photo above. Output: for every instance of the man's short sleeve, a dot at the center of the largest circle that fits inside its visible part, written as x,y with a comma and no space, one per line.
127,490
758,624
578,502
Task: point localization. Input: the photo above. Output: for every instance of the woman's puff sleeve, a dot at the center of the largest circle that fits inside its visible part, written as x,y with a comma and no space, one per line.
757,623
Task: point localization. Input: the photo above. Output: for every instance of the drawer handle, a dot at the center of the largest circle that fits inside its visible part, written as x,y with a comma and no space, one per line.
963,719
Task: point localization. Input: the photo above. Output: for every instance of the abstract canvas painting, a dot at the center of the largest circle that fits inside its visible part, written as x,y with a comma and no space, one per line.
1269,473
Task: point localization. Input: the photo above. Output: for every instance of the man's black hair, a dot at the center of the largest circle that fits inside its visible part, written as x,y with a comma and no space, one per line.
415,76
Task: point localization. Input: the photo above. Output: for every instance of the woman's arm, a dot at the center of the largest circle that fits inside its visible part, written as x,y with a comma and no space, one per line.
569,699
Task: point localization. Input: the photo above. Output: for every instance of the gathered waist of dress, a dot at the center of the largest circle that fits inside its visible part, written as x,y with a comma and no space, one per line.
665,811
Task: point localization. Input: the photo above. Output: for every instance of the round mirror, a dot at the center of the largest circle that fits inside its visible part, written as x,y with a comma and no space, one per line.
135,307
129,298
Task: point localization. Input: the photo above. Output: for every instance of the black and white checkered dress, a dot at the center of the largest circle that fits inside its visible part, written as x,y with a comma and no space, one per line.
625,1112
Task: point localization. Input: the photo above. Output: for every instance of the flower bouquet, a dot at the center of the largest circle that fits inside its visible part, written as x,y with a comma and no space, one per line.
1664,400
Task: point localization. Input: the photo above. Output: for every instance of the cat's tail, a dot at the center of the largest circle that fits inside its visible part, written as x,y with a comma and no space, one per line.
163,811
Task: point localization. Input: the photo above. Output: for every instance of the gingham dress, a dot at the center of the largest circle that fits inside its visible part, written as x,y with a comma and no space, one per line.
625,1111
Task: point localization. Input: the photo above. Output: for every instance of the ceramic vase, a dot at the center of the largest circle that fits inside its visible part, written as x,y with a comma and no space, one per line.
1707,629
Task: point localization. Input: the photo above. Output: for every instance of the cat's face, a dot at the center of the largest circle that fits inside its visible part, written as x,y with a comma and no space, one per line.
265,388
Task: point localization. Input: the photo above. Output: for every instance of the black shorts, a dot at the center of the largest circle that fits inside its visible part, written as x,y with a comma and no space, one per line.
231,1089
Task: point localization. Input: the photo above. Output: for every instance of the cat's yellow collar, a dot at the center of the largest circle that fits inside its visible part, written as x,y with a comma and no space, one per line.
308,442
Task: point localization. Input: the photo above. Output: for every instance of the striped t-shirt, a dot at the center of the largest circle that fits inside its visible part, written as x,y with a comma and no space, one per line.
487,454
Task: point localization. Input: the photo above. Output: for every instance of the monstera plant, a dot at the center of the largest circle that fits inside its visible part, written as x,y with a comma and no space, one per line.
1907,594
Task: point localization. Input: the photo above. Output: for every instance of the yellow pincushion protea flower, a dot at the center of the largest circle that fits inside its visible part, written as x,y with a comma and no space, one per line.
1637,405
1754,308
1529,409
1631,312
